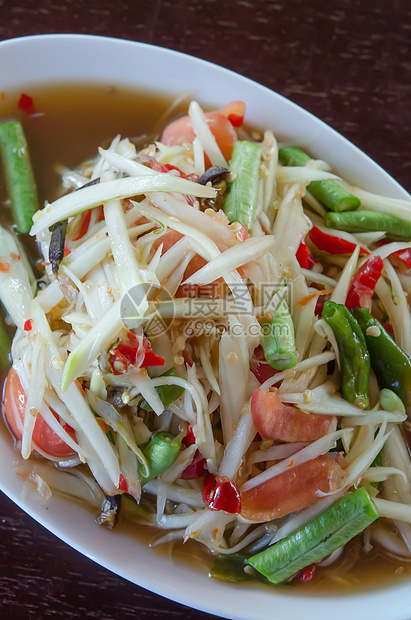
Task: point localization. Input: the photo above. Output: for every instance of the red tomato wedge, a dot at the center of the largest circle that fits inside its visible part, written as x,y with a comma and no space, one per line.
292,490
14,408
221,123
275,420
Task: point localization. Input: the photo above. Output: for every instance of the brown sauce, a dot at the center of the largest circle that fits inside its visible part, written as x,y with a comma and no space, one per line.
72,122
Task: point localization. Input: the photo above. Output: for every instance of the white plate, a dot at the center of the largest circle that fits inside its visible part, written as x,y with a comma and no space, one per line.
45,59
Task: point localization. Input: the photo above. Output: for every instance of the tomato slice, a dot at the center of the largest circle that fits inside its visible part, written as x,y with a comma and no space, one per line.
274,419
293,490
221,123
14,408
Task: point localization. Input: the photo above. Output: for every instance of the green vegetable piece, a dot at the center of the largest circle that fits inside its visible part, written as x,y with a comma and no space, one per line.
332,193
231,568
318,538
134,511
160,453
240,204
369,221
5,344
278,339
354,358
389,401
167,393
392,366
19,174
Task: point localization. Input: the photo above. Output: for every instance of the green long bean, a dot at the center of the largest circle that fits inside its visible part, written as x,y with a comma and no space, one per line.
317,539
19,176
330,192
240,204
278,340
369,221
392,366
5,343
352,348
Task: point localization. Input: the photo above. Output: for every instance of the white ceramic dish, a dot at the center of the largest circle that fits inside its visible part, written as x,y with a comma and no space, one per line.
45,59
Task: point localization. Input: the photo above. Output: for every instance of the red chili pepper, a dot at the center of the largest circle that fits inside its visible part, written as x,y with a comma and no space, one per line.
221,494
196,469
302,255
28,325
189,439
84,224
156,165
363,284
307,573
236,119
4,267
127,352
26,104
260,368
388,328
331,243
401,258
208,488
319,306
122,484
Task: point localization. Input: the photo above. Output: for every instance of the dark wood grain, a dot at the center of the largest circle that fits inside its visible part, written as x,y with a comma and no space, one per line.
346,61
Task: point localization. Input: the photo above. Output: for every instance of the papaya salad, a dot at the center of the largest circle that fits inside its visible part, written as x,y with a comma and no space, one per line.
217,338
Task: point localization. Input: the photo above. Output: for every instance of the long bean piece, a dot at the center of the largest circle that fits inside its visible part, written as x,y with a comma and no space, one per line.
241,201
332,193
354,356
5,343
319,538
392,366
19,176
278,340
370,221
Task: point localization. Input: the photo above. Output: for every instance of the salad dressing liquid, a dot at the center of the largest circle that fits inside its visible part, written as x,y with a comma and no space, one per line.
70,122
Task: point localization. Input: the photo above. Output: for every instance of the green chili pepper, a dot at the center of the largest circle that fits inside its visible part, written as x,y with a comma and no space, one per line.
240,204
167,393
19,174
278,339
317,539
160,453
332,193
392,366
352,348
369,221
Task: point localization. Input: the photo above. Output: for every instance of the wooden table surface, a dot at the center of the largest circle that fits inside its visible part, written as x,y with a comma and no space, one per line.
346,61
